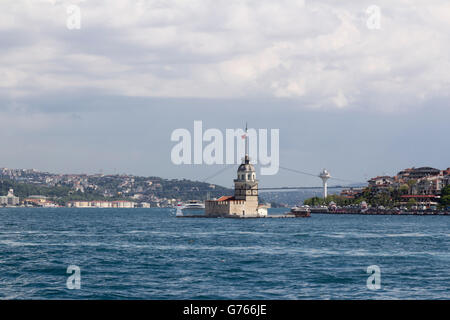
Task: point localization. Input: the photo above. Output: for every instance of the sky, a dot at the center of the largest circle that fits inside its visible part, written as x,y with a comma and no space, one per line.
357,93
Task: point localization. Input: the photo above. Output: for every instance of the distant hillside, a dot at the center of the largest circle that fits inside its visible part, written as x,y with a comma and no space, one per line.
65,187
23,190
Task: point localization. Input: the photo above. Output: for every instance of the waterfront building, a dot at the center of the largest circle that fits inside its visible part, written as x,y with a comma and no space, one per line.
351,193
10,199
417,173
381,181
423,181
101,204
421,200
123,204
39,201
431,185
144,205
446,180
79,204
244,203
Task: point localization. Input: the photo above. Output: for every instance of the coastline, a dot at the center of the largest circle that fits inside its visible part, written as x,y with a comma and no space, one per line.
274,215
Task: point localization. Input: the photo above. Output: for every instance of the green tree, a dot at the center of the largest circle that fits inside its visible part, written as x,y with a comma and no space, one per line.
445,200
404,188
314,201
445,191
445,196
411,183
411,202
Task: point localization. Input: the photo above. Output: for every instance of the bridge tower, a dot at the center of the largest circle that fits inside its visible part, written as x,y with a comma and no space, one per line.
325,175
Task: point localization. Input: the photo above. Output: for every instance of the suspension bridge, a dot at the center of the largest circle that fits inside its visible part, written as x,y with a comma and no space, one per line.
340,186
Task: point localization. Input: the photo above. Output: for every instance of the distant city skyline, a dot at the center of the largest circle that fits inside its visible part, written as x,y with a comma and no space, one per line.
358,101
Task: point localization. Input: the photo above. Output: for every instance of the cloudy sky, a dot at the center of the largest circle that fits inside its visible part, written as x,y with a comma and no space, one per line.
346,95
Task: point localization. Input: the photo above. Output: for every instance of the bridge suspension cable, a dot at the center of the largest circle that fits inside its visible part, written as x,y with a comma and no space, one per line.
316,175
300,172
228,166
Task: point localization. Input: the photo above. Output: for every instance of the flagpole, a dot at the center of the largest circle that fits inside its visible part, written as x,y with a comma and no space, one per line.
246,143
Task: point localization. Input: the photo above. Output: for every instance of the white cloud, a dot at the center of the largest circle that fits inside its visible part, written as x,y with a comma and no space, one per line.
340,100
322,55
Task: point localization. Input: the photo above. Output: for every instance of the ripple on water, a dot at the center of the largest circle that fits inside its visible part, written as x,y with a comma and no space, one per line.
151,254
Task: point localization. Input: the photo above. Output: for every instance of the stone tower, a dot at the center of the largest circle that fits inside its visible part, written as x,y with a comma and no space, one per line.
246,185
244,203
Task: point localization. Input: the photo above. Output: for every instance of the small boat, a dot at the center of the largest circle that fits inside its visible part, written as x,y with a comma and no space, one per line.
301,212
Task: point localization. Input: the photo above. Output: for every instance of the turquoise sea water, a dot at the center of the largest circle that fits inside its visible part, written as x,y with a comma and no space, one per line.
150,254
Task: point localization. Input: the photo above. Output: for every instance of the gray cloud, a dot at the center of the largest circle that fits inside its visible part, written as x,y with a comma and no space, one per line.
321,54
70,99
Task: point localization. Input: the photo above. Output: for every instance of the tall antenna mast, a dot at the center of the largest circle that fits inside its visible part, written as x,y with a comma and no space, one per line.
246,140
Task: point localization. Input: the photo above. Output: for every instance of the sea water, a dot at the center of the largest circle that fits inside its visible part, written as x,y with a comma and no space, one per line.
151,254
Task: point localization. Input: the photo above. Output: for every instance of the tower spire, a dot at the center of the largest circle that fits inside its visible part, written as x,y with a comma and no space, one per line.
247,159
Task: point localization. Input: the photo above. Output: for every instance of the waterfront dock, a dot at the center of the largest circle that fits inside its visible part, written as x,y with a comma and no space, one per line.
386,213
278,216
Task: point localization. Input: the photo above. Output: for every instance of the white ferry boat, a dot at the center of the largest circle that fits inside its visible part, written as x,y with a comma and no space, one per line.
191,207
